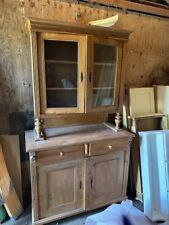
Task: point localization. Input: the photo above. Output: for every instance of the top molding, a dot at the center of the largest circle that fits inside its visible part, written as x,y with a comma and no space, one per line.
40,25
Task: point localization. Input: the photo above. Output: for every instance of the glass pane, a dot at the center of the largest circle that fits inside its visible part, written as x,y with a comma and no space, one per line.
104,75
61,73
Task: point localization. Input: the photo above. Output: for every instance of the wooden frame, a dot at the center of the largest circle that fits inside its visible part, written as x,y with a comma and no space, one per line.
118,76
81,69
85,36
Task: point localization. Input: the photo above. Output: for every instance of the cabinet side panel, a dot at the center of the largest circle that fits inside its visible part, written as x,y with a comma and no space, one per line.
33,173
35,78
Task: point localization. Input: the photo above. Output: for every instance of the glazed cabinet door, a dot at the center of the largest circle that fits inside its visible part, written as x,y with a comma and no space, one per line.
105,179
61,62
104,74
61,188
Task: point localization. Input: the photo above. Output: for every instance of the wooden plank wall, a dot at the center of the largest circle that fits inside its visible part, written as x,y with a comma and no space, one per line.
146,55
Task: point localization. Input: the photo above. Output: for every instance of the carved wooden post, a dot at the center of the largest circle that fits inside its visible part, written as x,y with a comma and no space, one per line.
39,131
117,121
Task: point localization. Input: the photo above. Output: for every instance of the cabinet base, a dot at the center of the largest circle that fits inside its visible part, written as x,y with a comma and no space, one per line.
72,213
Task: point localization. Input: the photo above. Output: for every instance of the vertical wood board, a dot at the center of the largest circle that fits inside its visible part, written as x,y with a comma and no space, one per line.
12,203
11,151
162,99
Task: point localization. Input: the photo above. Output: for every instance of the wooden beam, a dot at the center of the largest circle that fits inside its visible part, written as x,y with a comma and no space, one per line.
40,25
137,7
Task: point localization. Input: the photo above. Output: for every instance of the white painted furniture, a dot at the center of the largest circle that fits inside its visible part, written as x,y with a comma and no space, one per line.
142,113
154,152
162,96
142,107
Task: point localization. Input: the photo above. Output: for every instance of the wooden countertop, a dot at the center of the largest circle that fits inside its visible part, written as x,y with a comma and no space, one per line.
74,135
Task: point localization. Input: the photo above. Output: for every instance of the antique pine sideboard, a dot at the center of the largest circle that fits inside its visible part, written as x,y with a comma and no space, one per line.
78,72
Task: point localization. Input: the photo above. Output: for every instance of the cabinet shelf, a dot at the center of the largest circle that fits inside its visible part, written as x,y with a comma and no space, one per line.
104,64
103,88
62,89
60,61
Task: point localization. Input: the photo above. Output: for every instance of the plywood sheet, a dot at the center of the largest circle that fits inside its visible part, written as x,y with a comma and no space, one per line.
12,203
11,151
141,101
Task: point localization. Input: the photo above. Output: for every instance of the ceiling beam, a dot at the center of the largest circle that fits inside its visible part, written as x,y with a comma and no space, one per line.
133,6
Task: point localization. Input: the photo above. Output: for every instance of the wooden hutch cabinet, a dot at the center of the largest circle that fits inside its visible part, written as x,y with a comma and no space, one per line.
76,70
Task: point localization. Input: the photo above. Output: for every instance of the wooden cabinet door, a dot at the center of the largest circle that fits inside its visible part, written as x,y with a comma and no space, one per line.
61,188
105,175
61,59
104,81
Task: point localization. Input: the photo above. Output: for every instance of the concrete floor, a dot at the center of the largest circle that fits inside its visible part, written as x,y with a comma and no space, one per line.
25,219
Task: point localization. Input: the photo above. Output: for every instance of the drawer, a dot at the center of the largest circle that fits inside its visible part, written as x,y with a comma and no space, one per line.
61,154
105,147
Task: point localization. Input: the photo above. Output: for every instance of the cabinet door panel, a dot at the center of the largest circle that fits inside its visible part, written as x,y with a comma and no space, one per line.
61,63
105,179
104,73
60,188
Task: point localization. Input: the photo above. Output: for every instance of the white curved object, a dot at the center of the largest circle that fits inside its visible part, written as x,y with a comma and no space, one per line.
108,22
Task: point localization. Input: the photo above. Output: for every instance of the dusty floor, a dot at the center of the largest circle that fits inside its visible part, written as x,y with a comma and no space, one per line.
25,219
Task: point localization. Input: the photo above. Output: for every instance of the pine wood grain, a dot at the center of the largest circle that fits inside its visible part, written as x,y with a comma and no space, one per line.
61,137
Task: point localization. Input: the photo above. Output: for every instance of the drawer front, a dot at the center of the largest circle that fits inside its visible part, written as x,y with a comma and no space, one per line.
108,146
61,154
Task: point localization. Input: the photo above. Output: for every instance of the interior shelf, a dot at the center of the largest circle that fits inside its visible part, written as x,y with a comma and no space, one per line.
102,88
63,89
60,61
104,64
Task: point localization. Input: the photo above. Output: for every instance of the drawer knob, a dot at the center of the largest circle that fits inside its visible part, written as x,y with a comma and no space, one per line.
110,146
61,153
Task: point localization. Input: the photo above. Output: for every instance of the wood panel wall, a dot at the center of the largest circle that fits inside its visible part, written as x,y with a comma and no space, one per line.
146,58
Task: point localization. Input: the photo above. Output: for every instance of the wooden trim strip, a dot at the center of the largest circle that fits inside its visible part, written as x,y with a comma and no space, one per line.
40,25
34,192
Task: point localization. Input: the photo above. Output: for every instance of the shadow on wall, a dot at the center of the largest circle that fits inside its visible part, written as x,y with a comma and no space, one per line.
159,75
20,122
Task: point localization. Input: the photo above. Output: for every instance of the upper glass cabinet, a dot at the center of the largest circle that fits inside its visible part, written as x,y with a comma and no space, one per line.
76,68
72,67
